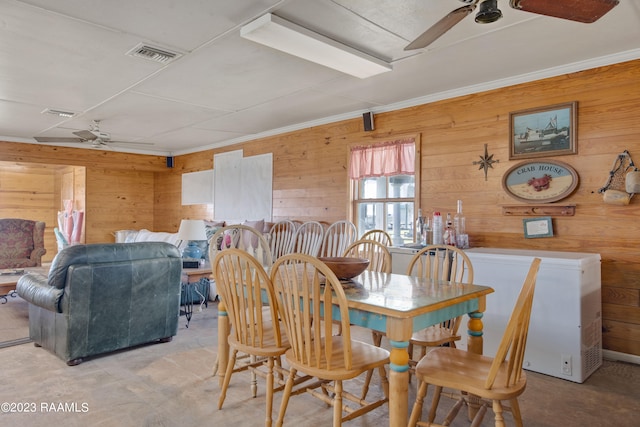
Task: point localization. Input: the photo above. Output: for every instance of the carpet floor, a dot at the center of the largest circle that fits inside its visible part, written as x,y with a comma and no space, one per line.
171,384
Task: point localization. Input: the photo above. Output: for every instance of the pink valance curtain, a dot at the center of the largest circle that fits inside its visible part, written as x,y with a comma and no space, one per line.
384,159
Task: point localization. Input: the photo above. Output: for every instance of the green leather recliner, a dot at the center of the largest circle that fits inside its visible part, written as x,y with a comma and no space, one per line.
104,297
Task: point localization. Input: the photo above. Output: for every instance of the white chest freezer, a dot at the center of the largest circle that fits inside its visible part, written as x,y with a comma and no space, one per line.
401,257
565,332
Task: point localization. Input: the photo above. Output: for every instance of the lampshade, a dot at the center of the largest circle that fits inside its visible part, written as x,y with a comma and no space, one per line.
280,34
192,229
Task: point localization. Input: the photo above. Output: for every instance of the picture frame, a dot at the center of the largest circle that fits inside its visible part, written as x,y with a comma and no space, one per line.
538,227
543,132
540,181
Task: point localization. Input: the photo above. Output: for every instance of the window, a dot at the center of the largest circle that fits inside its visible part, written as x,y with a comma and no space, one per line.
384,192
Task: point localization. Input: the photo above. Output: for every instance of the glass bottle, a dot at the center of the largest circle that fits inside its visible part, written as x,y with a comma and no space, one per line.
428,231
459,221
460,225
419,227
449,234
437,228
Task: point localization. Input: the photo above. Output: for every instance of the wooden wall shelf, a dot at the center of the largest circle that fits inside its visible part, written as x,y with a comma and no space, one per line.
537,210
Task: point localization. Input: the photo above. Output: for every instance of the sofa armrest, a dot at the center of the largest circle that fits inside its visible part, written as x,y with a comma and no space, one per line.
35,289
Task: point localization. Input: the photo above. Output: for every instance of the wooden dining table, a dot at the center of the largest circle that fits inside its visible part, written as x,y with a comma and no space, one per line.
397,305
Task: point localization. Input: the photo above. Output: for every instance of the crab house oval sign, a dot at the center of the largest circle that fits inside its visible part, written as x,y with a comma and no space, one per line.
540,182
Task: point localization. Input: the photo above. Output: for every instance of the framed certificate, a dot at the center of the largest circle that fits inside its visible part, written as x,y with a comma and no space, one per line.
538,227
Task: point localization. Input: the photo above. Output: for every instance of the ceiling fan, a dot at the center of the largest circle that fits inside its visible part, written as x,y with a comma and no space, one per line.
586,11
97,138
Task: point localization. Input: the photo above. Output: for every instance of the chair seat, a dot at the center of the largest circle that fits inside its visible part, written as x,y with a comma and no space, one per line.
364,357
268,346
433,336
465,371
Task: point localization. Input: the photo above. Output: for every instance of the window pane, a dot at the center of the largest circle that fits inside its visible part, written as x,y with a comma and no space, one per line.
401,186
373,188
400,222
370,216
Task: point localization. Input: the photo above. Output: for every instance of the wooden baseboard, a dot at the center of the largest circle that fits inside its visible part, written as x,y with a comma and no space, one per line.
622,357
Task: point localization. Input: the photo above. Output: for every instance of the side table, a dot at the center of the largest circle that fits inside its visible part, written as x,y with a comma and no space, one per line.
191,279
7,290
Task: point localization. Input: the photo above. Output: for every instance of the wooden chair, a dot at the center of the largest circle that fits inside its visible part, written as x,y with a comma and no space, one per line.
379,236
438,262
477,377
281,238
447,263
379,260
325,225
378,255
308,292
337,238
249,298
309,238
241,237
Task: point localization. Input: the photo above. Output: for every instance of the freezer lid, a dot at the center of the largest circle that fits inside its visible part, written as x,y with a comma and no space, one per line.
558,258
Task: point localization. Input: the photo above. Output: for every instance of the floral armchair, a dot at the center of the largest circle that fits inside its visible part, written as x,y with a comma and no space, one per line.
21,243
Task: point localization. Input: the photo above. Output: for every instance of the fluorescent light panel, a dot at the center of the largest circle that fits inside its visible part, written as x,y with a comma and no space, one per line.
280,34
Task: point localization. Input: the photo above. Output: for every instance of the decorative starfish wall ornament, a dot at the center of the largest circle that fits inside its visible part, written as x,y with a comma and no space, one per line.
486,162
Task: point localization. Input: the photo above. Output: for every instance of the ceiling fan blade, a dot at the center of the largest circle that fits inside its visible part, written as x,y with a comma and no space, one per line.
85,134
54,139
440,27
586,11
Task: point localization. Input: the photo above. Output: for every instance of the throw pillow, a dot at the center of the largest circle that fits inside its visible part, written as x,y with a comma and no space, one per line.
125,236
248,238
230,239
210,231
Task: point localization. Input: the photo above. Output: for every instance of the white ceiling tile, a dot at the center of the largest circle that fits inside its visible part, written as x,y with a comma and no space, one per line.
135,115
235,75
179,24
71,55
287,111
51,60
190,138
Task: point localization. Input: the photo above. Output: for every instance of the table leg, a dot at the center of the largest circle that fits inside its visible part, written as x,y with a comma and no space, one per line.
474,345
398,383
475,341
223,343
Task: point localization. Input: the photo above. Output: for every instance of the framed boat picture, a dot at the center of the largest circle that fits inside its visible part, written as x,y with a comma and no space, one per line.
543,181
543,132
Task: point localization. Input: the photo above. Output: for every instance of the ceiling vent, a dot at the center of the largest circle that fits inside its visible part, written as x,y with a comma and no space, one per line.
59,113
152,53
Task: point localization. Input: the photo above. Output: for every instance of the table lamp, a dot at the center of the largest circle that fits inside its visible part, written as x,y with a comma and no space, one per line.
192,230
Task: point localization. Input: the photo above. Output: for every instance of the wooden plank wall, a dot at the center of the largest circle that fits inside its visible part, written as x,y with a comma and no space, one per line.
168,209
116,190
29,192
310,174
310,177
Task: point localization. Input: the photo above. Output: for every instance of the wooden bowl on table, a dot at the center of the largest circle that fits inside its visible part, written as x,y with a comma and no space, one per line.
345,268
